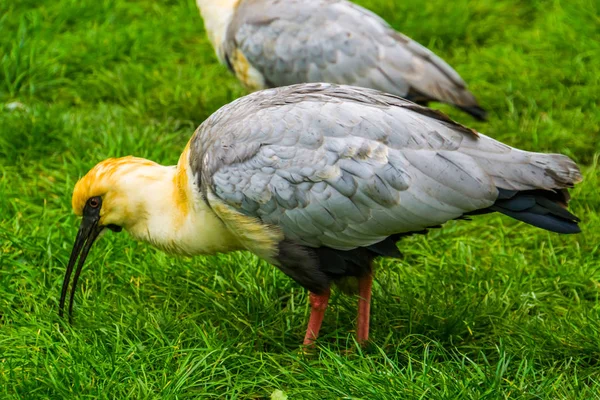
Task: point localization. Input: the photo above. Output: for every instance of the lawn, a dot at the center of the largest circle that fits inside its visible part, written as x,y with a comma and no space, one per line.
490,308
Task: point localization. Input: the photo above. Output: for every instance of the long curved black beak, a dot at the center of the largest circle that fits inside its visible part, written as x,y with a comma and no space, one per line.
87,234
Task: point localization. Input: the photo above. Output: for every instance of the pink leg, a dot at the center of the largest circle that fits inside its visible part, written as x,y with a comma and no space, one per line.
318,305
364,308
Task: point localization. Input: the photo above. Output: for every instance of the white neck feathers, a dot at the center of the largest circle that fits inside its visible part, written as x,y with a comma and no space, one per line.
217,15
185,229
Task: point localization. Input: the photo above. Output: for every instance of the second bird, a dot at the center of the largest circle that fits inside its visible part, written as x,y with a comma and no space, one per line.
271,43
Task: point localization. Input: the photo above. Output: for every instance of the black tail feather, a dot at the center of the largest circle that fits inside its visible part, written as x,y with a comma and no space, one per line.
539,208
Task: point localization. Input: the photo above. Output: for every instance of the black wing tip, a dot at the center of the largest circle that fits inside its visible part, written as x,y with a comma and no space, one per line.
540,208
476,112
547,222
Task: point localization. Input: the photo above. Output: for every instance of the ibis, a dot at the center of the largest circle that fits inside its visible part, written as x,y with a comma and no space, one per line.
271,43
319,180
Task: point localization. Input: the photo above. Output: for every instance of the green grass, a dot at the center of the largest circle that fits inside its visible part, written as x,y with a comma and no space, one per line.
485,309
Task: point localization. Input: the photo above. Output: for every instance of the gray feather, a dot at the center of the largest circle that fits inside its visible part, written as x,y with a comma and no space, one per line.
295,41
331,182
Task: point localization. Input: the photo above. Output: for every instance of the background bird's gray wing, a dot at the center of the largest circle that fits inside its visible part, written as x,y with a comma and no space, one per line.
337,166
336,41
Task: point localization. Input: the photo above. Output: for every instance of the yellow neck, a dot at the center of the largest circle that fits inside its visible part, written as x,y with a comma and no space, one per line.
217,15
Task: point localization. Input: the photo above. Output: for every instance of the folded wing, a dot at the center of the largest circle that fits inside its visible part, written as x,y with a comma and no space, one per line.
336,41
346,167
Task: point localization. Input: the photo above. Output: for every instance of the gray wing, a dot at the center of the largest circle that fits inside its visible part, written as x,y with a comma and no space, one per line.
335,41
346,167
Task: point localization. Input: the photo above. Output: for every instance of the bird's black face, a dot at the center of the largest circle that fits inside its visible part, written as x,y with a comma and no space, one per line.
87,234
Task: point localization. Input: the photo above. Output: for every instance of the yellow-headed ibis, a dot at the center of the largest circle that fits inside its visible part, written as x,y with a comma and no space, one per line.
319,180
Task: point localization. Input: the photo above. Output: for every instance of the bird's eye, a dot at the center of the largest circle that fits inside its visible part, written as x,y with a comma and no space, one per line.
94,202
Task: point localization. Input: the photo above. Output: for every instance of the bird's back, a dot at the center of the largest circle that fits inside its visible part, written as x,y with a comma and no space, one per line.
346,167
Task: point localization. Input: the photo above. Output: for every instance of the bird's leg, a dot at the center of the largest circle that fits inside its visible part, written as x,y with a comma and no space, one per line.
318,305
364,308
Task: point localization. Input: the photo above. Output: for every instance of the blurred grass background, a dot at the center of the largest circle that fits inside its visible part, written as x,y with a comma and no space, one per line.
485,309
